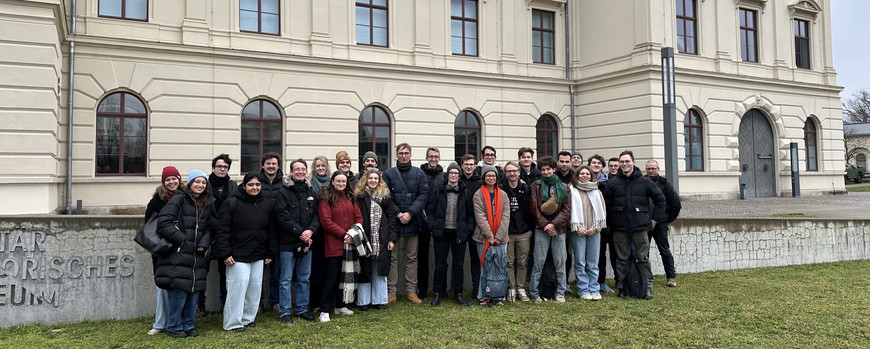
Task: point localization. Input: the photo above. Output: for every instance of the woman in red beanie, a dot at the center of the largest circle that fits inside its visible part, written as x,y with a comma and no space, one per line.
170,183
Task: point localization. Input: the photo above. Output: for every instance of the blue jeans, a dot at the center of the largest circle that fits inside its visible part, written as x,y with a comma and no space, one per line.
374,292
586,252
543,242
244,283
301,266
481,289
162,309
182,309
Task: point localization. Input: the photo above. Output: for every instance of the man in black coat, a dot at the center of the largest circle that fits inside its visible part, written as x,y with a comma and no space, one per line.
270,164
471,179
434,173
634,205
222,188
451,220
660,231
297,220
409,188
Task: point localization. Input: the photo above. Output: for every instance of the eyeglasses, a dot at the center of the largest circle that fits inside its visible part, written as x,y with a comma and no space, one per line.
512,171
624,161
404,153
453,173
652,168
222,167
488,154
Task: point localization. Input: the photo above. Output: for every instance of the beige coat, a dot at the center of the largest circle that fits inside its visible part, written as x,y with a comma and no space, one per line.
482,232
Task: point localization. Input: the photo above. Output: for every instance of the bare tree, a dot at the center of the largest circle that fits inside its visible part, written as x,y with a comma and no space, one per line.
854,143
857,108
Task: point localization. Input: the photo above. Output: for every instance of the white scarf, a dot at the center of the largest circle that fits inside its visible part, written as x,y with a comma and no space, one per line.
599,221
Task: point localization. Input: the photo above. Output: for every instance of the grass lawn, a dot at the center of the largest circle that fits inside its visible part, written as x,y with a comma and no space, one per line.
856,188
811,306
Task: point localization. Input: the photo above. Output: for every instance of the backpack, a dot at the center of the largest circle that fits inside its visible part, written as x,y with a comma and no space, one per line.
496,283
635,285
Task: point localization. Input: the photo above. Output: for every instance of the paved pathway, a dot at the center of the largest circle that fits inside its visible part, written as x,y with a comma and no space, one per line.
855,205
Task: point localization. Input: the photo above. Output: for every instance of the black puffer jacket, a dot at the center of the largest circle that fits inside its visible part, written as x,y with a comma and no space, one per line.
410,194
386,233
627,199
245,229
184,269
271,189
672,199
533,174
295,212
437,212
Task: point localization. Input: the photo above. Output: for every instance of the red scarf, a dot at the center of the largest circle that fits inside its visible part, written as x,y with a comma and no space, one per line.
492,218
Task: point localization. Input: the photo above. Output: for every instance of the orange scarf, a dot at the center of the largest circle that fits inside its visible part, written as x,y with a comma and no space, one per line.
492,218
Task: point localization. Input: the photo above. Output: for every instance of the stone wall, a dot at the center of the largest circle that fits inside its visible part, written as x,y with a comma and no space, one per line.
56,269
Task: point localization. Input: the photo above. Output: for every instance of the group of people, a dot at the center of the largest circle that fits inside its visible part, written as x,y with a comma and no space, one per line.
339,237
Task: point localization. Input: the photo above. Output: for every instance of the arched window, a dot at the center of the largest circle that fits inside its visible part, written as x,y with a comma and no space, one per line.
861,160
374,135
261,133
121,135
466,134
693,136
547,135
812,151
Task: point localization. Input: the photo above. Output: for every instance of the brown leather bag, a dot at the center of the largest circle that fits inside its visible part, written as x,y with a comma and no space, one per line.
550,206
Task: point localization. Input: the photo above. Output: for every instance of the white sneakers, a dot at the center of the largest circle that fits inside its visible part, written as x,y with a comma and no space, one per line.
560,299
154,331
586,296
596,296
512,295
324,317
521,293
343,311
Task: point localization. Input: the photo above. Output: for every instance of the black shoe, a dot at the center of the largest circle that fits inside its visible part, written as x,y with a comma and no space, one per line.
306,316
251,325
364,308
647,296
436,300
179,334
192,333
622,294
458,298
200,311
380,307
286,319
239,329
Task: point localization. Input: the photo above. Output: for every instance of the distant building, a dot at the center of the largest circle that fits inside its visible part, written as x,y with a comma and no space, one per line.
161,83
857,139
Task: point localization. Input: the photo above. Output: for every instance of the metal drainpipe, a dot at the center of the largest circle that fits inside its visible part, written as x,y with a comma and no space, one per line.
568,77
70,105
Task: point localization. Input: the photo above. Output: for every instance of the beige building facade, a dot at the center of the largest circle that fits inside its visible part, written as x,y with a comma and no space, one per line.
159,83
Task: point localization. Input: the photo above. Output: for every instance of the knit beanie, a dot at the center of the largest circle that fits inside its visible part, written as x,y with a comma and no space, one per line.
454,166
370,154
340,156
195,174
486,168
578,154
170,171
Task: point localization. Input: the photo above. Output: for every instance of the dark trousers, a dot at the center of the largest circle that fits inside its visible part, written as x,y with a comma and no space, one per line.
222,285
269,295
330,293
607,240
446,244
475,267
660,235
623,242
423,262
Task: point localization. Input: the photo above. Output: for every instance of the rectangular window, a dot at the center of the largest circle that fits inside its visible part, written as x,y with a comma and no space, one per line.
371,22
687,29
748,35
259,16
125,9
463,27
543,37
801,44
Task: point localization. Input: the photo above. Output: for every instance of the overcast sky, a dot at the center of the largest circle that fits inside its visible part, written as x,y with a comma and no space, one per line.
851,44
